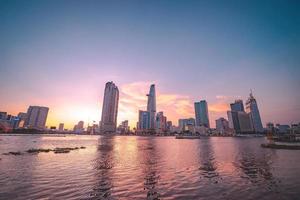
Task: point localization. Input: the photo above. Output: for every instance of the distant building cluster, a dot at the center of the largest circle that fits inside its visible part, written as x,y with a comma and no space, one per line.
34,118
239,120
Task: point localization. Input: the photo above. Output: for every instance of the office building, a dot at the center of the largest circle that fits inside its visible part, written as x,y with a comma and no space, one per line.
161,122
239,121
144,120
184,123
237,106
3,115
245,122
61,127
222,125
151,106
79,127
123,127
252,109
201,114
110,108
169,125
36,117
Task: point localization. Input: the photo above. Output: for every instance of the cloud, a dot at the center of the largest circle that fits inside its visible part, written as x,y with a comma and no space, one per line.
175,106
218,107
133,98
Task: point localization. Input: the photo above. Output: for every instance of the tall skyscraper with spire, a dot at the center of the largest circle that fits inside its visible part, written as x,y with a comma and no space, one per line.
252,109
151,106
110,108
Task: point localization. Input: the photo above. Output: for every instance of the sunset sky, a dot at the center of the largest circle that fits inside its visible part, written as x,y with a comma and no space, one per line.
60,54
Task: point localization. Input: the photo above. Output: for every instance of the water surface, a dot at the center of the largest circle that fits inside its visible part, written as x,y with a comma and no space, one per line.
130,167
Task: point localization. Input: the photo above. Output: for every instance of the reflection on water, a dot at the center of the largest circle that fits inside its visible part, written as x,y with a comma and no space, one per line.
257,168
208,163
103,165
124,167
149,161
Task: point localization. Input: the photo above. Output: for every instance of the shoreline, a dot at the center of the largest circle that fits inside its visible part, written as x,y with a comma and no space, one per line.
107,135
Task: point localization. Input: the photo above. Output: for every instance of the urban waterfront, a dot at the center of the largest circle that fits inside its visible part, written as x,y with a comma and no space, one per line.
141,167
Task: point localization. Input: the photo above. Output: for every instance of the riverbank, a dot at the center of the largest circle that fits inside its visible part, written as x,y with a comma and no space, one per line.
281,146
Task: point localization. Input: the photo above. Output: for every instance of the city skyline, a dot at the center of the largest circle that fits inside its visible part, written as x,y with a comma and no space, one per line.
217,110
60,55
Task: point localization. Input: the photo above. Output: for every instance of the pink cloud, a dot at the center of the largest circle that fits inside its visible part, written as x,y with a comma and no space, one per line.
175,106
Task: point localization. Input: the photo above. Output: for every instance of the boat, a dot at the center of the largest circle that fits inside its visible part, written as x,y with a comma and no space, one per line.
282,142
187,136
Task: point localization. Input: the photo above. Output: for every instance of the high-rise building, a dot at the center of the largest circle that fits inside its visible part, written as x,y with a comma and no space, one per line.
36,117
237,106
252,109
183,123
233,120
161,122
151,106
79,127
169,125
222,125
245,122
61,127
240,121
110,108
3,115
144,120
201,114
123,127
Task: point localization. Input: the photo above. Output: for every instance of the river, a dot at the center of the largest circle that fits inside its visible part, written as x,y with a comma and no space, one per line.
133,167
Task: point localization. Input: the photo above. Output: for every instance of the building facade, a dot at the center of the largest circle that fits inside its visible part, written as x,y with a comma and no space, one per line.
245,122
61,127
110,108
237,106
151,106
36,117
222,125
240,121
161,122
201,114
184,123
144,120
252,109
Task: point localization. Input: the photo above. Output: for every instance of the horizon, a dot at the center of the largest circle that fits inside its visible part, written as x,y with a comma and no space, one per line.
60,55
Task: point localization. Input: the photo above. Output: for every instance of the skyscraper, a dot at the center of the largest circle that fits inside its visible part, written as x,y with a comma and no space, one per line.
61,127
110,108
240,121
151,106
144,120
252,109
161,122
36,117
222,125
237,105
183,123
201,114
245,122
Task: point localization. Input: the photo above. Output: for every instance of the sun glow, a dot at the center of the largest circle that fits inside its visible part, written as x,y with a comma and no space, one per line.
132,99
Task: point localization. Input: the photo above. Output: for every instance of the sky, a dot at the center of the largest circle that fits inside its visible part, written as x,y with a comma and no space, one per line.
60,54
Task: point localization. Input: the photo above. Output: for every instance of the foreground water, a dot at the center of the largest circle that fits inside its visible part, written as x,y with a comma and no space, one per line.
129,167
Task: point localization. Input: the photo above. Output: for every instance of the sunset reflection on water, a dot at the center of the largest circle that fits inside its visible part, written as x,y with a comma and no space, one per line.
123,167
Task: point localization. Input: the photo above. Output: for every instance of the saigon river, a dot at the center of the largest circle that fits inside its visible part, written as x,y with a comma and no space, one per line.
135,167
